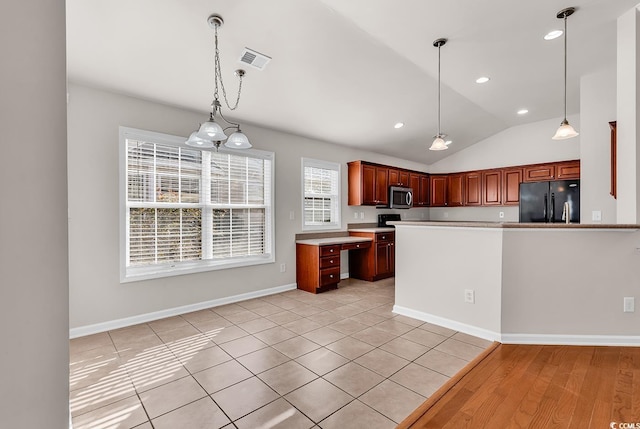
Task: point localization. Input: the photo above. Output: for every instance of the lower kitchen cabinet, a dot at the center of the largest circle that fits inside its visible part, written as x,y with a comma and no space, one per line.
378,261
317,267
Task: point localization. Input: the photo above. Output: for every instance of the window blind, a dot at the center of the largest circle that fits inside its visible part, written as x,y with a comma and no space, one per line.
321,184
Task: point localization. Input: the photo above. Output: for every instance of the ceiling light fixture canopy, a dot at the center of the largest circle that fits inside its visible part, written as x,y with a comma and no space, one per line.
438,141
211,133
565,131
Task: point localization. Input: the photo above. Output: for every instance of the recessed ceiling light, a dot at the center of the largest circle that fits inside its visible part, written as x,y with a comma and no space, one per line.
482,79
553,34
523,112
399,125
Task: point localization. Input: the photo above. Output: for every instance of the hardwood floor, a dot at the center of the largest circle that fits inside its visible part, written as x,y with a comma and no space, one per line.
522,386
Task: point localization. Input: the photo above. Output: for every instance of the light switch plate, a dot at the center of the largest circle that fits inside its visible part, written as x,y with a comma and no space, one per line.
629,304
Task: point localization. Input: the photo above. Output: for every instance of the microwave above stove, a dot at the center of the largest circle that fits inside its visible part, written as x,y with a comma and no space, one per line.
400,197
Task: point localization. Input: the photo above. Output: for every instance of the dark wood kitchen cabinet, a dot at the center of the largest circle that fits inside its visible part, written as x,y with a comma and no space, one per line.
492,187
511,179
368,184
317,267
438,194
420,185
376,262
455,190
473,188
567,170
552,171
398,177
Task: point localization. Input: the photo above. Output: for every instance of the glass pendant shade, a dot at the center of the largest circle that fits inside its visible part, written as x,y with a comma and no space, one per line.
196,141
565,131
438,144
211,131
238,140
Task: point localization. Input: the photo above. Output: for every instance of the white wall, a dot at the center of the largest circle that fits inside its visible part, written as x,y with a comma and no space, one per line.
96,294
597,109
34,325
628,109
434,266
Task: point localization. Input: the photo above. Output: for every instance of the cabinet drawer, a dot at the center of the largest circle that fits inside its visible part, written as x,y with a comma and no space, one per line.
330,250
330,261
351,246
329,276
385,236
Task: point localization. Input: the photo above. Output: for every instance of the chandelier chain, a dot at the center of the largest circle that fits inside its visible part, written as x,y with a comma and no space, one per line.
218,77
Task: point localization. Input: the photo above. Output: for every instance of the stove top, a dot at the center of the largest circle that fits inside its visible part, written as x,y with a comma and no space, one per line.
384,218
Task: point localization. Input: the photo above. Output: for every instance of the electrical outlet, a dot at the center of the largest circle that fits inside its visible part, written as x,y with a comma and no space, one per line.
629,304
596,216
445,215
283,268
470,296
361,215
355,215
501,215
292,215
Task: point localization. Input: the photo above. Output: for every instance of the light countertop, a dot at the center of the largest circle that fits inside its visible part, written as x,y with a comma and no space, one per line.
373,229
515,225
333,240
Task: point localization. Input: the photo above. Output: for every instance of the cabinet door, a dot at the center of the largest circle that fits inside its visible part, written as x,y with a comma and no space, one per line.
438,195
415,183
568,170
473,189
424,189
455,190
398,177
539,173
492,188
382,186
368,184
511,179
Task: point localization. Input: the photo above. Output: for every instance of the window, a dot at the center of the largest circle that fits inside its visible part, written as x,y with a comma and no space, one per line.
187,210
321,184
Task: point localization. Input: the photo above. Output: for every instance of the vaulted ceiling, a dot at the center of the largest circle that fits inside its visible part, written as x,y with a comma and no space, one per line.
347,71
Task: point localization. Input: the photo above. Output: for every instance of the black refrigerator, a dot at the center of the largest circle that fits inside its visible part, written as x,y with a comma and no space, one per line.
545,201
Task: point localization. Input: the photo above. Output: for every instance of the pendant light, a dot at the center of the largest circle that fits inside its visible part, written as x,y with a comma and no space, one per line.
210,133
565,131
438,142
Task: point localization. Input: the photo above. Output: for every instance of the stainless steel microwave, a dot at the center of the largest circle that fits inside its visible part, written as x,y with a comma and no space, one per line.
400,197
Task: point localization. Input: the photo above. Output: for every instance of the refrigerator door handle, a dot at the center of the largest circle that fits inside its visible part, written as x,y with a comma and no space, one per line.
544,209
552,215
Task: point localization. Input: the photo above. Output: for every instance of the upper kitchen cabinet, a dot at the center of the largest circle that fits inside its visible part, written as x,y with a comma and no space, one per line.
455,190
438,194
568,170
420,184
473,188
511,179
491,187
368,184
399,177
552,171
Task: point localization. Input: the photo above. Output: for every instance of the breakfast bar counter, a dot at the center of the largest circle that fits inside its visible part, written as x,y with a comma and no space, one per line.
521,283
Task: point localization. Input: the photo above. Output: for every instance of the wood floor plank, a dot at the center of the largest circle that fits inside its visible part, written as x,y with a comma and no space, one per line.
541,387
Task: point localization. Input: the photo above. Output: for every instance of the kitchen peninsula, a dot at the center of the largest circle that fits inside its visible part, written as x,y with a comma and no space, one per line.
521,283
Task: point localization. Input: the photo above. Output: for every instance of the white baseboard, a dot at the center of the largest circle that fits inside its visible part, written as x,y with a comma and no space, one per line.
344,276
448,323
551,339
148,317
572,340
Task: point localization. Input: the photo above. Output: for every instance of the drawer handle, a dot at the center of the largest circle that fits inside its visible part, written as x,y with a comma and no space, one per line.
331,261
357,245
330,276
330,250
384,237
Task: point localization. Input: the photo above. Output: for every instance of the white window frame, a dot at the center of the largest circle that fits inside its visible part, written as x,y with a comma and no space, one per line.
336,198
131,274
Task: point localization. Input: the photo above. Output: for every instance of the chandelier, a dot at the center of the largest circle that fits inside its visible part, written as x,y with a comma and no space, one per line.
565,131
211,133
438,141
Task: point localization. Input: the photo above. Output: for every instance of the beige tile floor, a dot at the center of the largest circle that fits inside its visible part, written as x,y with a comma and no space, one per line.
340,359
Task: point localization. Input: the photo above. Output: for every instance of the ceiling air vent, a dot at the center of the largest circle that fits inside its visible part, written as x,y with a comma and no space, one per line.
254,59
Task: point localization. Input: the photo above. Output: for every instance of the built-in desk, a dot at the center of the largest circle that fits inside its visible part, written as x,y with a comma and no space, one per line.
318,261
